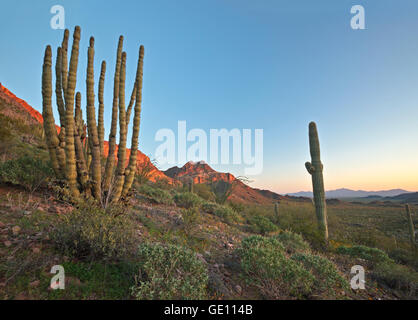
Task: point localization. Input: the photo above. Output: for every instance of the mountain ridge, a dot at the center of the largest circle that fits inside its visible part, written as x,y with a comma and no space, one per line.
349,193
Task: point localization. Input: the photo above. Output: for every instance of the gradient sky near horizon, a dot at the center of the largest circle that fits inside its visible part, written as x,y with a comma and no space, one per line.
269,64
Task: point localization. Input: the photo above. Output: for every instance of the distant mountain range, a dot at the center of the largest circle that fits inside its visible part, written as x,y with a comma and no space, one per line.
347,193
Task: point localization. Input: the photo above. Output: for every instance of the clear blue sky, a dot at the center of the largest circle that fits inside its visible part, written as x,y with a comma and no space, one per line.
273,64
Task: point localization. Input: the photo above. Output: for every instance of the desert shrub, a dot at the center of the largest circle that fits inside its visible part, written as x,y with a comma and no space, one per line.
403,256
187,200
204,191
92,233
226,213
191,219
210,207
156,195
373,255
265,265
293,242
397,277
238,207
169,272
29,172
327,277
262,225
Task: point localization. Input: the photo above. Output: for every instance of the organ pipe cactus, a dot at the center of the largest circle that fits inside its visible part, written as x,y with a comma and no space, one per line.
49,122
77,158
410,225
70,170
100,125
120,169
137,119
110,163
315,169
96,169
82,170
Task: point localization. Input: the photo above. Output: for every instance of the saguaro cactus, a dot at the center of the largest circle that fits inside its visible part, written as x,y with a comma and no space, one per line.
276,210
410,225
315,169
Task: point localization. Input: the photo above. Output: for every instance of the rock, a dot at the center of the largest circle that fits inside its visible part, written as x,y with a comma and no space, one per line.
7,243
229,245
238,289
34,284
27,212
16,230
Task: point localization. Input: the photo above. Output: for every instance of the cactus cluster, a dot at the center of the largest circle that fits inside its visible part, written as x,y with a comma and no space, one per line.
315,169
77,151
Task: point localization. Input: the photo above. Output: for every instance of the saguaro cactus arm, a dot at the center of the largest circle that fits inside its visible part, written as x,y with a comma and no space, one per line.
315,169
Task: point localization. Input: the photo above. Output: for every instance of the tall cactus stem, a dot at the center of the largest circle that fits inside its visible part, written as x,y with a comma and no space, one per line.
131,103
120,169
110,163
315,169
71,169
81,160
96,169
49,122
100,125
410,225
136,123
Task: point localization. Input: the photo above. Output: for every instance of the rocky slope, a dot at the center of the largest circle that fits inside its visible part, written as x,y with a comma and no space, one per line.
201,172
18,108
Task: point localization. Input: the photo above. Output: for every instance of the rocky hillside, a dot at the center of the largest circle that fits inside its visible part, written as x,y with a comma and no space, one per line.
200,172
17,108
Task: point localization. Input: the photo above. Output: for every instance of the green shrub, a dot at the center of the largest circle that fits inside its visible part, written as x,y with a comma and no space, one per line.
226,213
293,242
29,172
156,195
187,200
210,207
373,255
327,277
403,256
204,191
265,265
397,277
92,233
191,219
262,225
169,272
